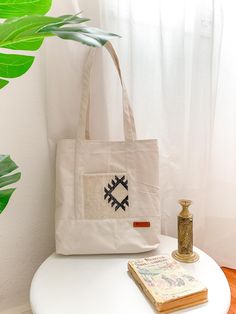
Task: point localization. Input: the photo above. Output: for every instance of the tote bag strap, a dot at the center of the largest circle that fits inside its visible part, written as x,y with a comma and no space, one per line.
128,118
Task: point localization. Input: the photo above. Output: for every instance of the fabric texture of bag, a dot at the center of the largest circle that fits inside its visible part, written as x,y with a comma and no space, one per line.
107,192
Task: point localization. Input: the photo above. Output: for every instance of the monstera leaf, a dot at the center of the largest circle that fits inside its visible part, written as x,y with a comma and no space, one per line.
7,165
14,8
26,27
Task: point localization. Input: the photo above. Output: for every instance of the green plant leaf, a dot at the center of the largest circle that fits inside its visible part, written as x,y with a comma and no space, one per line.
25,28
7,165
31,44
86,35
6,180
14,8
4,198
3,83
12,65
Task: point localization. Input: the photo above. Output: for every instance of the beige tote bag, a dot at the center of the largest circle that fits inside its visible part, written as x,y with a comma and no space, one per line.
107,193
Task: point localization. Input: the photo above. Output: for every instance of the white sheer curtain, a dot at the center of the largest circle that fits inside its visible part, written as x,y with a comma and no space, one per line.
179,65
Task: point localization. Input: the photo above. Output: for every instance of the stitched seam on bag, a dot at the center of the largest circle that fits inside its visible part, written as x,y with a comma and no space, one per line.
111,219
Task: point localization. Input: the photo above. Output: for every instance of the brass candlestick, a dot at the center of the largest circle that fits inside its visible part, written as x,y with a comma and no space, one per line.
185,235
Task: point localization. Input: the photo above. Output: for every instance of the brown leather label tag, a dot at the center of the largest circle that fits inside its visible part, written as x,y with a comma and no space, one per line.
141,224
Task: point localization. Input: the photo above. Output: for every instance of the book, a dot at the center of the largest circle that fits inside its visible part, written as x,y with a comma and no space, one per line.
166,283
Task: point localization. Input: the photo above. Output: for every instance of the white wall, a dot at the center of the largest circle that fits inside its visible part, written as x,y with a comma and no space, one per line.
26,225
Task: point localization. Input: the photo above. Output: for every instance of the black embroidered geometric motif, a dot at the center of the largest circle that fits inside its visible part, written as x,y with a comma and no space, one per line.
111,188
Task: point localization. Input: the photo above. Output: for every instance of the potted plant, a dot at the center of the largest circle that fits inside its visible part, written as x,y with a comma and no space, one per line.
24,28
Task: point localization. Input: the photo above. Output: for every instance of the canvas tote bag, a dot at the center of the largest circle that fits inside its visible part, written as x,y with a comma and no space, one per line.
107,192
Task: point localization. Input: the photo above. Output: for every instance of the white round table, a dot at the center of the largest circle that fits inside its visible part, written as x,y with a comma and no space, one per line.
101,284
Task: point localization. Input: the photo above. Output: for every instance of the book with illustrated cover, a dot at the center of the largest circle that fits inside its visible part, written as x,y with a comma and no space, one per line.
166,283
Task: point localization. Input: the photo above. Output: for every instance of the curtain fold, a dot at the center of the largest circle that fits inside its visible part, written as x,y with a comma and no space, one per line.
177,64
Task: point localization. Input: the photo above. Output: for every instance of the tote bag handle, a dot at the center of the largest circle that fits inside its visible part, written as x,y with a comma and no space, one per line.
128,118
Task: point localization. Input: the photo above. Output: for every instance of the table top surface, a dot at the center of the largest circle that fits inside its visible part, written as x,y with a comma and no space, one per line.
100,284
